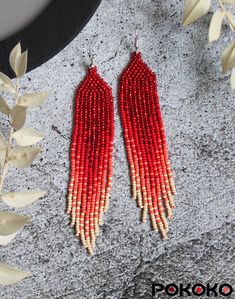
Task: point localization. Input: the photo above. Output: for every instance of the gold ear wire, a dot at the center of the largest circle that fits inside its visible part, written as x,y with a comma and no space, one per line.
92,57
136,43
90,54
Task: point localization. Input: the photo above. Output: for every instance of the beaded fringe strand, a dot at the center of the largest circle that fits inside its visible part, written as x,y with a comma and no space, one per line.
91,157
150,170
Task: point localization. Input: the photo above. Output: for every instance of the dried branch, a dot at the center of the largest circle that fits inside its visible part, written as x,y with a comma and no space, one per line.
195,9
20,156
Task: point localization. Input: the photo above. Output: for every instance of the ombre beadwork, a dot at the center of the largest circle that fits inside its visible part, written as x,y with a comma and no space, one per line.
91,157
146,146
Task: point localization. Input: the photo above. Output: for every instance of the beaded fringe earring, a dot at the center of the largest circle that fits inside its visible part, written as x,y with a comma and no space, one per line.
150,170
91,157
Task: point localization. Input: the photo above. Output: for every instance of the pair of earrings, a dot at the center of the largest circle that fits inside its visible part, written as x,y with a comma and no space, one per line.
91,151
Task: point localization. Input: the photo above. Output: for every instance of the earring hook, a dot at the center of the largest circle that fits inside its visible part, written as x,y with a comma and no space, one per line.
92,57
90,54
136,42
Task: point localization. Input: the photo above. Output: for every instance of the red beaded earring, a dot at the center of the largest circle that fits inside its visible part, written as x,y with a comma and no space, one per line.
150,170
91,157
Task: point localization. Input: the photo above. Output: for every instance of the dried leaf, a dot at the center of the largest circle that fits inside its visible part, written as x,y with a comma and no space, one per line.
215,25
27,136
10,223
3,149
33,99
2,156
233,79
231,18
4,108
22,199
18,116
228,58
23,156
10,275
4,240
21,64
2,141
6,84
14,56
195,9
232,2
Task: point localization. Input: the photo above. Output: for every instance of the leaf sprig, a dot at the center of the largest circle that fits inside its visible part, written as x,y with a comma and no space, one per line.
195,9
19,156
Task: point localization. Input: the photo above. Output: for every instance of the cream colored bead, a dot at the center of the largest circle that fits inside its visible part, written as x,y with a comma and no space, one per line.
153,221
173,190
89,247
144,214
134,192
101,219
77,227
139,199
162,231
168,210
97,229
83,239
93,239
73,217
170,198
106,203
165,223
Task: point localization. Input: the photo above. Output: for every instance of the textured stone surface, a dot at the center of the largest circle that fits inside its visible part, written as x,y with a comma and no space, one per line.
198,109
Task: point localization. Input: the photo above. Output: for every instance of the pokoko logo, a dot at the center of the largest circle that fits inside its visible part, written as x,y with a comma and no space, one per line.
198,289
